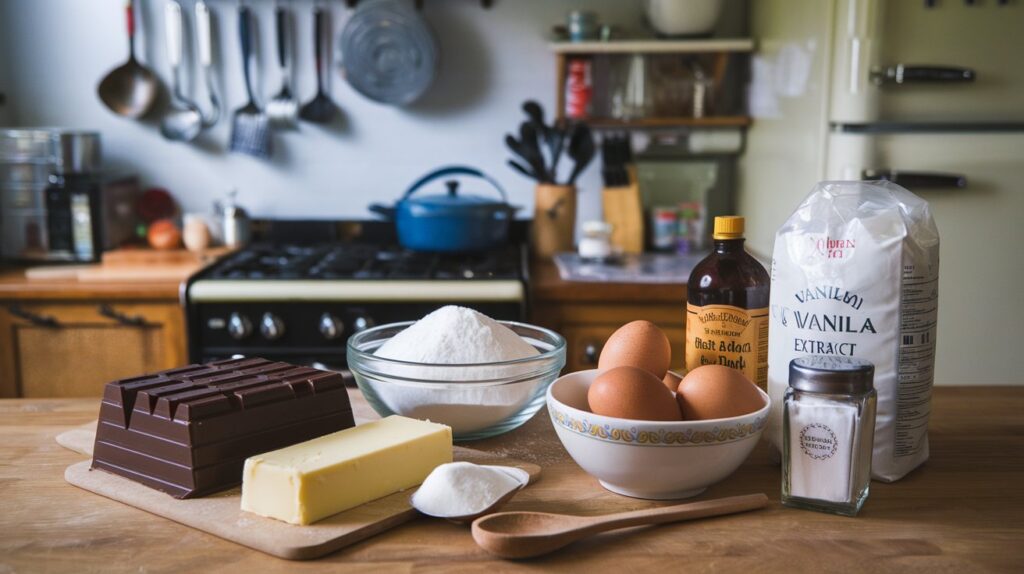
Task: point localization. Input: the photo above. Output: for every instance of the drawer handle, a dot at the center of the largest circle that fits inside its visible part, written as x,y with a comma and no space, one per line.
34,318
904,74
916,179
129,320
591,353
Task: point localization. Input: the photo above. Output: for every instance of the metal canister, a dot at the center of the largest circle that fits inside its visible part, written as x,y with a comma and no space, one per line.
583,25
237,225
664,224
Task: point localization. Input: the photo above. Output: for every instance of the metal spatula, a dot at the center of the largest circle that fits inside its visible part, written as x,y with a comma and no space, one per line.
250,128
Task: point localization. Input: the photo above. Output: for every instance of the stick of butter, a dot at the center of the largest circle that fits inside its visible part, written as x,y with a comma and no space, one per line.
312,480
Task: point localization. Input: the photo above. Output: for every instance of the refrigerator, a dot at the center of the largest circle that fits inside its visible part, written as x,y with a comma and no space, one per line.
926,93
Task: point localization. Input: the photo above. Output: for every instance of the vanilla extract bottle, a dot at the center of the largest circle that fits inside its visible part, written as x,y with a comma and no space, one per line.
727,307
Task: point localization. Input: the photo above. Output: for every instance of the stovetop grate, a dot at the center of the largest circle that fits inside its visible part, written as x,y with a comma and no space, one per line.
352,261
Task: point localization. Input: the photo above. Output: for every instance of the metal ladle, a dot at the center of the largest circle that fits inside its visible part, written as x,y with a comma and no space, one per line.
184,121
130,89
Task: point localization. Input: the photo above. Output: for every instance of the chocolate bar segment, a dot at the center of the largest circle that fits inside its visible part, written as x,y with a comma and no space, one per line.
187,431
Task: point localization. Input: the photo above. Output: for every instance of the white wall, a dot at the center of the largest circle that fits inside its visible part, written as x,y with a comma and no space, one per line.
56,51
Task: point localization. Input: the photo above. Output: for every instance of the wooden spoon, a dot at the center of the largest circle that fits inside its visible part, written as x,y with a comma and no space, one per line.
528,534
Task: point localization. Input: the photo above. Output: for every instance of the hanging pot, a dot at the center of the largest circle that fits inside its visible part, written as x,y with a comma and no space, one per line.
452,221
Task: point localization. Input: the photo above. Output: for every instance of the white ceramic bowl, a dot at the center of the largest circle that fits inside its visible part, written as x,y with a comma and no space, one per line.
650,459
477,401
683,17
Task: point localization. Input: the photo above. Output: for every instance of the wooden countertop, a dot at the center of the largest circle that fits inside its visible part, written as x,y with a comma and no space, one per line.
548,287
545,284
962,512
15,286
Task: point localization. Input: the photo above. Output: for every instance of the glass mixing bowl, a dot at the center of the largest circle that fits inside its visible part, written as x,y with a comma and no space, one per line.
476,400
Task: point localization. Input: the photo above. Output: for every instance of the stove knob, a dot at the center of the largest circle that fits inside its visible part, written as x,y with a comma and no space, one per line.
271,327
331,327
363,323
239,326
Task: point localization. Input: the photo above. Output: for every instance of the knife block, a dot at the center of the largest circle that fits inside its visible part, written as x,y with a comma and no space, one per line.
554,220
624,209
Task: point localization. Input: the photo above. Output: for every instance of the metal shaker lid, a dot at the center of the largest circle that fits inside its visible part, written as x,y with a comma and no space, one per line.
832,375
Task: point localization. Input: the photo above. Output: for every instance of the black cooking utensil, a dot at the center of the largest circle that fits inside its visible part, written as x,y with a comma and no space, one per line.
522,169
320,109
530,155
531,136
562,134
581,150
535,112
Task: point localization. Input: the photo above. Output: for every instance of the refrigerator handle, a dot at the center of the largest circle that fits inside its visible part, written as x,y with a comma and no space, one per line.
916,179
904,74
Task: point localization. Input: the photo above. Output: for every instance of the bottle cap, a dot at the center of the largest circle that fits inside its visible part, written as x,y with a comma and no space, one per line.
831,375
728,227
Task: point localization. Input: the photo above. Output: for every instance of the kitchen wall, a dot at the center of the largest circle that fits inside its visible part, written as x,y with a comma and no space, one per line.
56,51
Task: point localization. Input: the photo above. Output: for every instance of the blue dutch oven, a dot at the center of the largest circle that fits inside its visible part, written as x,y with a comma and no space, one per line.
452,221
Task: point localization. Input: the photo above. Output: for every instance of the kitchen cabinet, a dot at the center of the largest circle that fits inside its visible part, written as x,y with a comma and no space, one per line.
586,314
714,56
585,338
66,338
70,349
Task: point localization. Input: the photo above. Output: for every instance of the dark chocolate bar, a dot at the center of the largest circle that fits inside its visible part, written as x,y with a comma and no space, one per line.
188,431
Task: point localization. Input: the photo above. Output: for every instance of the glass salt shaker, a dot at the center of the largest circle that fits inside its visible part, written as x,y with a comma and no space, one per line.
828,430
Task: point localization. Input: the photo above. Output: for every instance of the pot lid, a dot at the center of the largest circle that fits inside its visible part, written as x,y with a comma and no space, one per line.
454,198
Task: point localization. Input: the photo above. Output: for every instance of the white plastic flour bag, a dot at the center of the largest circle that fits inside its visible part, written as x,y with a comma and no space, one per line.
855,273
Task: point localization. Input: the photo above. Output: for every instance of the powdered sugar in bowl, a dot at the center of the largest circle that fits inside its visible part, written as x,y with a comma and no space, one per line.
478,400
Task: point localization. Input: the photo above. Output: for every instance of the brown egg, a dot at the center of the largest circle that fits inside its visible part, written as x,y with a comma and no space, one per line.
639,344
716,392
632,393
671,380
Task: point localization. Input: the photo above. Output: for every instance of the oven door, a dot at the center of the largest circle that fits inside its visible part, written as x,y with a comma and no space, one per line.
313,333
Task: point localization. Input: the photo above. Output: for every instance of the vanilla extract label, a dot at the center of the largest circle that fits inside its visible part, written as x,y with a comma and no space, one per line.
728,336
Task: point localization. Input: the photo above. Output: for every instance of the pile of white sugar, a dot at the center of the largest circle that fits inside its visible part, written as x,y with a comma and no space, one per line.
437,346
455,335
463,489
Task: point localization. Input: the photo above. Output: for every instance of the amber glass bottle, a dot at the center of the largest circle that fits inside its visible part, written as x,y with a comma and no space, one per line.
727,307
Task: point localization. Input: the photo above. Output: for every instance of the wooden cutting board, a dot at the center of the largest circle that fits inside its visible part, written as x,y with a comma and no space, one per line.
133,257
221,515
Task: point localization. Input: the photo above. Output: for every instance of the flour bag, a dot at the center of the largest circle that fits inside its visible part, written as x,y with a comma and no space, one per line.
855,273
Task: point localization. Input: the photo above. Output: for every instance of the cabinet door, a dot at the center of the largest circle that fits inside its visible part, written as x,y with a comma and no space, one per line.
72,350
584,344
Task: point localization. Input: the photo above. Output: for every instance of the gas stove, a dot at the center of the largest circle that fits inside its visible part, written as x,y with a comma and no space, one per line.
299,302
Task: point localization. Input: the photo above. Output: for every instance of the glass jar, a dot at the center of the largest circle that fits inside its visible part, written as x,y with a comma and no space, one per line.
828,430
595,244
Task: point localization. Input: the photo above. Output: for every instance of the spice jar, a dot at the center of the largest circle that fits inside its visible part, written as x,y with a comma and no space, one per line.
828,433
596,241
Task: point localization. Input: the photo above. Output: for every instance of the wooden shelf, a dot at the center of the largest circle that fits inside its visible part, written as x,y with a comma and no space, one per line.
654,46
706,122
